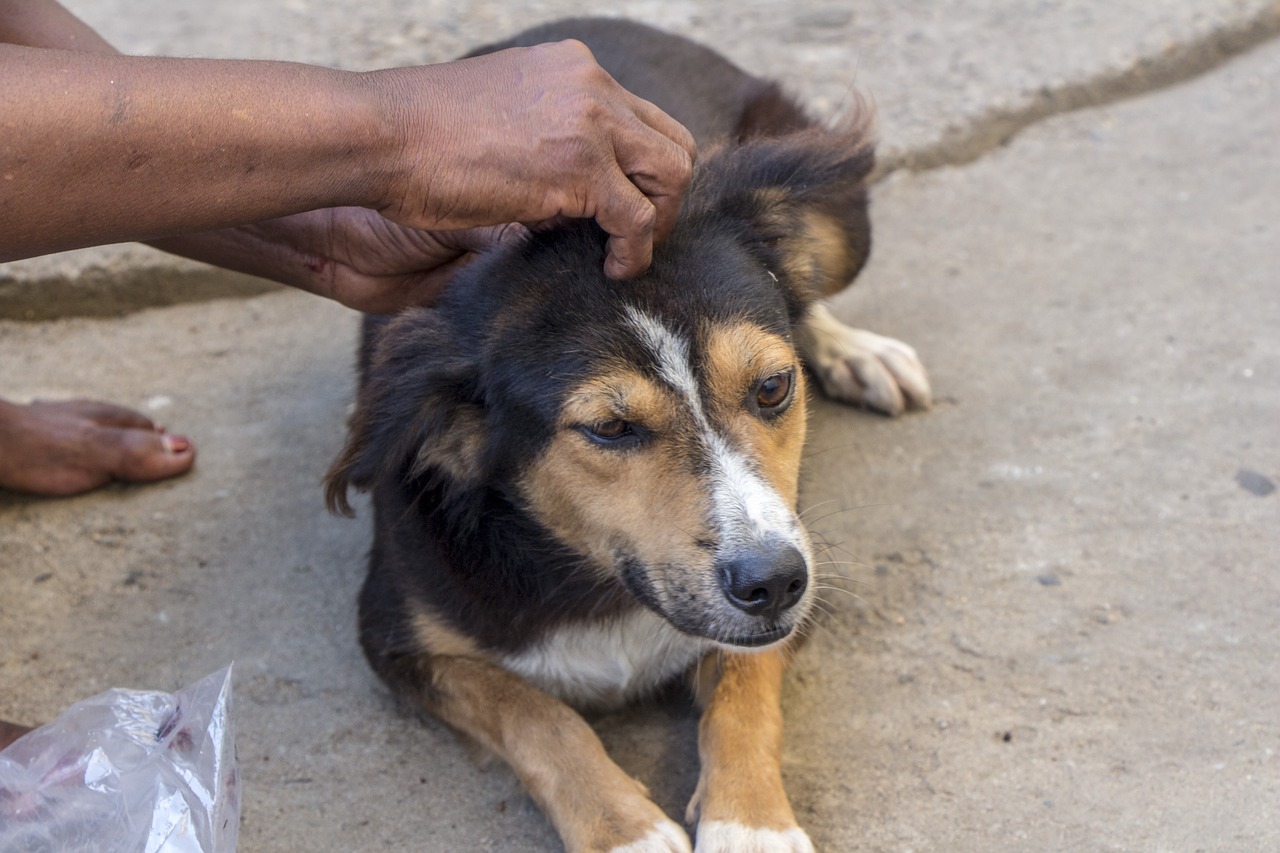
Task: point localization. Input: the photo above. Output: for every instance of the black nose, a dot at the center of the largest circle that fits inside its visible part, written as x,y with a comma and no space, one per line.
765,583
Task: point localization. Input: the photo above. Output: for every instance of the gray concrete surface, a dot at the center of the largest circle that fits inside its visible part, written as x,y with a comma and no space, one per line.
1056,624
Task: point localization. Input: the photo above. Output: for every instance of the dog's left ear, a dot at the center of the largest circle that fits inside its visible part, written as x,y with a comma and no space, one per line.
802,198
417,410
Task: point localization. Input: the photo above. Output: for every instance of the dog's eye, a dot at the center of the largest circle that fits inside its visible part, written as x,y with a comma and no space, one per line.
615,433
610,429
773,391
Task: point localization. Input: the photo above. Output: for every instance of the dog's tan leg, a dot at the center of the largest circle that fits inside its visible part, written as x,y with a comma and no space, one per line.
740,805
861,367
591,801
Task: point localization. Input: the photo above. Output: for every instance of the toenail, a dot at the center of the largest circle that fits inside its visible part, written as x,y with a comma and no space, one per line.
175,443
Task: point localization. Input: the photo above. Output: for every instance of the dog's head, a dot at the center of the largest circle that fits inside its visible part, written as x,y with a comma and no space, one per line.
652,427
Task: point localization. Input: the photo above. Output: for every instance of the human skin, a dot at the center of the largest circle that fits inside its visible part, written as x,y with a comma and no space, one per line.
99,147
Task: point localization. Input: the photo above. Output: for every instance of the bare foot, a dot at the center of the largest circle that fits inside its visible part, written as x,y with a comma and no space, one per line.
9,732
69,447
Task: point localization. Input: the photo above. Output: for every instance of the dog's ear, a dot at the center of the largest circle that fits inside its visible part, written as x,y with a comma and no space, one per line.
803,199
417,410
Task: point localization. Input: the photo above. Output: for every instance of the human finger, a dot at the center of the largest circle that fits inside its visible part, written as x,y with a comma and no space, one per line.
659,163
655,117
629,217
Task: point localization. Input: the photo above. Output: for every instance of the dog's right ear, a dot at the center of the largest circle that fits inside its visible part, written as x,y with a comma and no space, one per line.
802,198
418,410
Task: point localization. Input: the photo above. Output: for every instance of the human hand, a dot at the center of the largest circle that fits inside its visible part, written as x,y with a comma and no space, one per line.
350,254
366,262
531,134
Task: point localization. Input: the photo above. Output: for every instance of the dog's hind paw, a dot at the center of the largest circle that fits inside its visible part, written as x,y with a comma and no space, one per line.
860,367
719,836
665,837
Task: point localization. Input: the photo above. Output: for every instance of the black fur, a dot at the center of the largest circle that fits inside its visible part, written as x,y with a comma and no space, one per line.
493,361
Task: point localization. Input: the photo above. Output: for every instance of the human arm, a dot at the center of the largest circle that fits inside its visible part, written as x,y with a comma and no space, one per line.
164,147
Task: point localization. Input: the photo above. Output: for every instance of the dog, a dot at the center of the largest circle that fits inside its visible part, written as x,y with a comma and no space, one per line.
584,490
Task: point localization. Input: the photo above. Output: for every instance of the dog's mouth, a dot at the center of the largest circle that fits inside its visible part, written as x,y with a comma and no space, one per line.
730,636
705,610
754,641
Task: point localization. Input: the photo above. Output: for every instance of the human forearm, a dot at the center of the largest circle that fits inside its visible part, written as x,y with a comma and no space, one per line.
103,148
96,147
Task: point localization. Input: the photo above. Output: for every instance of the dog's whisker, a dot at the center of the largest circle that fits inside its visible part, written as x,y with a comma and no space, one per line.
839,575
846,509
847,592
821,606
802,513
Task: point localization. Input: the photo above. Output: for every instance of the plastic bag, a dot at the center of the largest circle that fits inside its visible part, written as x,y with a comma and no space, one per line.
126,772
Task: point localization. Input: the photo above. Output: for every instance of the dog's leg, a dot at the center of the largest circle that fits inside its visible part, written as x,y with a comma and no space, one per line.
860,367
591,801
740,805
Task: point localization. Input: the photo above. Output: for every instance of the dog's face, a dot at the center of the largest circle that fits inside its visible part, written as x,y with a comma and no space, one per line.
671,458
654,428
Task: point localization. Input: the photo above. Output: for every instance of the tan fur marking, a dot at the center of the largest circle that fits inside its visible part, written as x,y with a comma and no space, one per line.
738,357
828,245
589,497
816,253
593,803
436,638
798,261
457,449
740,744
625,395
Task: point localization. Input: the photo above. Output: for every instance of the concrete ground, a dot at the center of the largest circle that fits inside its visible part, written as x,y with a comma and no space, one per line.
1057,621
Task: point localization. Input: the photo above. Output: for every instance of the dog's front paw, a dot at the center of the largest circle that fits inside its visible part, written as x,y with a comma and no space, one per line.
665,837
718,836
861,367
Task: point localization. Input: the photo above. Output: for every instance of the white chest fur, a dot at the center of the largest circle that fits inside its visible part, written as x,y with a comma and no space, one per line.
607,663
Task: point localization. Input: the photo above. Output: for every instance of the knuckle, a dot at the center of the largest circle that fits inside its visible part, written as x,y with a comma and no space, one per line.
644,217
684,172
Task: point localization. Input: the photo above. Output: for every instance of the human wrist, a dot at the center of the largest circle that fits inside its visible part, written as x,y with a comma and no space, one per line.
400,108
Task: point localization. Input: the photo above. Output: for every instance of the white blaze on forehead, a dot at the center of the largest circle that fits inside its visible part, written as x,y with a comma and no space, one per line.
746,510
671,355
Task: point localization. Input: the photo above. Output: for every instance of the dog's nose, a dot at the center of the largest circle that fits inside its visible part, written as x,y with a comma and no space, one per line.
765,583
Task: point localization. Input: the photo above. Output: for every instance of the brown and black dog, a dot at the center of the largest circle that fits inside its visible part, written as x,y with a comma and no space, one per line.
585,489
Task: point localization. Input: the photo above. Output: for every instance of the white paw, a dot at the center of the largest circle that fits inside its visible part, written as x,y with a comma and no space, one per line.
717,836
665,837
861,367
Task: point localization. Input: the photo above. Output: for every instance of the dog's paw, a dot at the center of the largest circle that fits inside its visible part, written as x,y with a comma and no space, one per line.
863,368
718,836
665,837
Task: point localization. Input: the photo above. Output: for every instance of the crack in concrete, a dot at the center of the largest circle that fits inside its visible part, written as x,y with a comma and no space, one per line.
1148,74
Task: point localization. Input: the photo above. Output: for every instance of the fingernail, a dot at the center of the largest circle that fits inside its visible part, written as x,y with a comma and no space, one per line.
175,443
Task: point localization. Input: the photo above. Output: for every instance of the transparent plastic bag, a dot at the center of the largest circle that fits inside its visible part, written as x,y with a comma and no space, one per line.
126,772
